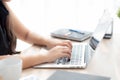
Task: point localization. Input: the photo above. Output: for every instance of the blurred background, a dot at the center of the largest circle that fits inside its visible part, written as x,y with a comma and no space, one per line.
43,16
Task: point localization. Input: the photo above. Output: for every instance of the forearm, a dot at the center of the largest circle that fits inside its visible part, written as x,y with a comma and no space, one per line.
34,38
31,60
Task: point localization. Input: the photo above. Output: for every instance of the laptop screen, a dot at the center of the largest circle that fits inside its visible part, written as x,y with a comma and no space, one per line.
93,43
101,29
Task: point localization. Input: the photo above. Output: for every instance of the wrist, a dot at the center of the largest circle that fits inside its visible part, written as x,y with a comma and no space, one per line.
48,42
48,58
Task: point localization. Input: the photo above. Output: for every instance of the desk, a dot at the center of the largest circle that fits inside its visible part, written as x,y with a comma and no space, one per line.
105,62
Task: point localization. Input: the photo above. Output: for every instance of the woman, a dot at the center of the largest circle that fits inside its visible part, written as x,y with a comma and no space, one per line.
11,28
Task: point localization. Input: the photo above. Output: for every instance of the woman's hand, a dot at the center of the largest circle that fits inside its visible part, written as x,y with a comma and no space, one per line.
56,42
58,52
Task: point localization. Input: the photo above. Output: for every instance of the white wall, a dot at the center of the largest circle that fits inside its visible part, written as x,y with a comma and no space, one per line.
64,13
42,16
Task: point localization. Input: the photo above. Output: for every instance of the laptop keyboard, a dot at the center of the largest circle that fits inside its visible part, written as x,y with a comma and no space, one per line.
63,60
77,56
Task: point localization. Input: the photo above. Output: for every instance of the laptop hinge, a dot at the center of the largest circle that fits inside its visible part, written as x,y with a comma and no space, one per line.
109,32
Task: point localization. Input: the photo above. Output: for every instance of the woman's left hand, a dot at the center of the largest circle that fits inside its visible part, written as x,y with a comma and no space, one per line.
55,42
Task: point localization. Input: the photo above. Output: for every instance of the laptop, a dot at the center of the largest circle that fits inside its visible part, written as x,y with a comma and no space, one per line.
83,52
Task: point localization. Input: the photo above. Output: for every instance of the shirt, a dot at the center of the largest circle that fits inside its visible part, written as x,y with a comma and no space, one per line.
4,40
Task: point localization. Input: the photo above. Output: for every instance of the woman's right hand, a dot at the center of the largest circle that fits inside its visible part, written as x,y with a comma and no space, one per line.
58,52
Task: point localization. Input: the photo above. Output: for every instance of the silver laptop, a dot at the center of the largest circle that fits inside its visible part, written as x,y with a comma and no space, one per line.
83,52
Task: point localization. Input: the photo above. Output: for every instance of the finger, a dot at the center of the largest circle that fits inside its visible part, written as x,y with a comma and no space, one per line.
65,55
66,50
68,44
